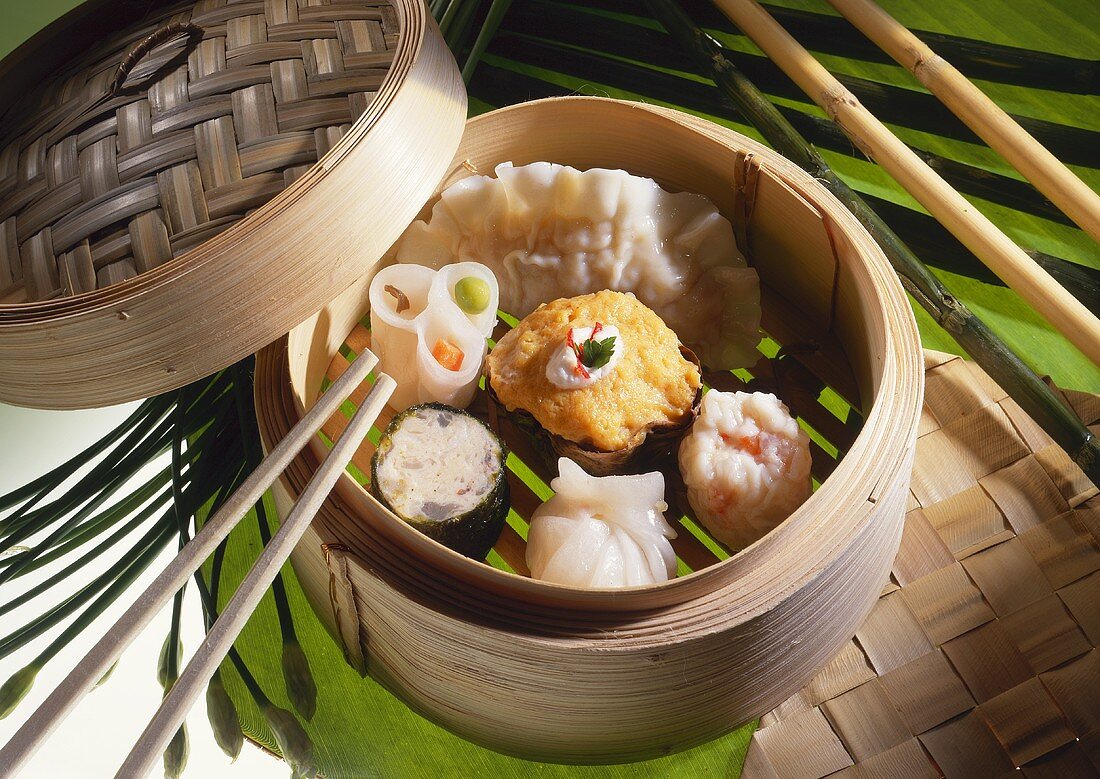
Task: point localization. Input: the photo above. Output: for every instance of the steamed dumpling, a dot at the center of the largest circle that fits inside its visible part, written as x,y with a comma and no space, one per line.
746,465
602,531
551,231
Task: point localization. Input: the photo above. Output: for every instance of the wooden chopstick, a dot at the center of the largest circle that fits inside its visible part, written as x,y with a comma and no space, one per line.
227,627
988,121
995,249
94,664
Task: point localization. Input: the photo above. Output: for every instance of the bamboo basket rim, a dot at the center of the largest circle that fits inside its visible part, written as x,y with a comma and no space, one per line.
895,408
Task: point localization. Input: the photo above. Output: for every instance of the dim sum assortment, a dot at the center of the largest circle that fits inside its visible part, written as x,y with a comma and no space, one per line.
618,285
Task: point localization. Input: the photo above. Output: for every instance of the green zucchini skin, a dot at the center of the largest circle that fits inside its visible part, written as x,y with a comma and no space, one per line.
471,534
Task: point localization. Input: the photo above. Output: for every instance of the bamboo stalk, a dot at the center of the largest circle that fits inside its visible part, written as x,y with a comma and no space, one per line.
966,223
987,349
925,236
83,678
610,28
983,59
988,121
545,35
173,709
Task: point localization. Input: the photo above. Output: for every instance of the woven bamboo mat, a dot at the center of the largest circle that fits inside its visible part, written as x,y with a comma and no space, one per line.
981,656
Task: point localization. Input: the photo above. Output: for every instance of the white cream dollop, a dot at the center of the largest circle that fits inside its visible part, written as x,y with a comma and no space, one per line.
561,368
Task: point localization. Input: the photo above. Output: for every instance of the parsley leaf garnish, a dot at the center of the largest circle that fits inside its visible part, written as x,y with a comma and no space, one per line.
596,354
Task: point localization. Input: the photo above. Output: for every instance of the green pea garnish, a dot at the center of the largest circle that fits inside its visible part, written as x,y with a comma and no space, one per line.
472,294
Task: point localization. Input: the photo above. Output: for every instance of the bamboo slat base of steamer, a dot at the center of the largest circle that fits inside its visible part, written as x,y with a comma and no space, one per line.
981,656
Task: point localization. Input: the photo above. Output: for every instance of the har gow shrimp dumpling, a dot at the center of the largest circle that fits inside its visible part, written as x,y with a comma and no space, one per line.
602,531
746,465
550,231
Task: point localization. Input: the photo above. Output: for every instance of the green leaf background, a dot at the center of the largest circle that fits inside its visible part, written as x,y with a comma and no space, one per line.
613,48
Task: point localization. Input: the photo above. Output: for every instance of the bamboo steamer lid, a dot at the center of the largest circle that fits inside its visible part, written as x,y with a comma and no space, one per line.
565,674
184,185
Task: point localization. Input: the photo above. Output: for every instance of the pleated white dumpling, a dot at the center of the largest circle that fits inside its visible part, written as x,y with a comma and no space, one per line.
475,205
550,231
605,531
529,189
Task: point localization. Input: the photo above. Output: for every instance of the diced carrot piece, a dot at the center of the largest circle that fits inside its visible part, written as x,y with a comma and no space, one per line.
447,354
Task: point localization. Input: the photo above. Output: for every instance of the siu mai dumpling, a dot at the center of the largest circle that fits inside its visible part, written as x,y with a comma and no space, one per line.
605,531
746,465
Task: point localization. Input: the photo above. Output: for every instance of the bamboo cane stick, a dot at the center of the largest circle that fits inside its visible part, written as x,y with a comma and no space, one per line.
988,121
984,346
953,211
219,639
100,657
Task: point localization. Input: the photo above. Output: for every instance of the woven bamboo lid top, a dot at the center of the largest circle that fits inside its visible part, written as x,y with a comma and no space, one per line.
240,100
181,186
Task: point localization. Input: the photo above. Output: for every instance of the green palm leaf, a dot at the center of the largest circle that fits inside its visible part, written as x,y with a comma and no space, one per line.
360,729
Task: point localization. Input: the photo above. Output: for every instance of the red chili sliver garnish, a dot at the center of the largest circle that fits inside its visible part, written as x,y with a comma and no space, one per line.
579,368
447,354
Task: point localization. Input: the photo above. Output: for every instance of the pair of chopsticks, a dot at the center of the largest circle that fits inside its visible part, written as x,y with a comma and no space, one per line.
996,250
223,632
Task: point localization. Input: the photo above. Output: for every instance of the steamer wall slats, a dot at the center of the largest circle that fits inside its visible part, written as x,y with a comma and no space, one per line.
195,182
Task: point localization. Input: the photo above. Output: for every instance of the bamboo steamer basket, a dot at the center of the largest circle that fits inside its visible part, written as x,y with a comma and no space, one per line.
570,675
151,212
